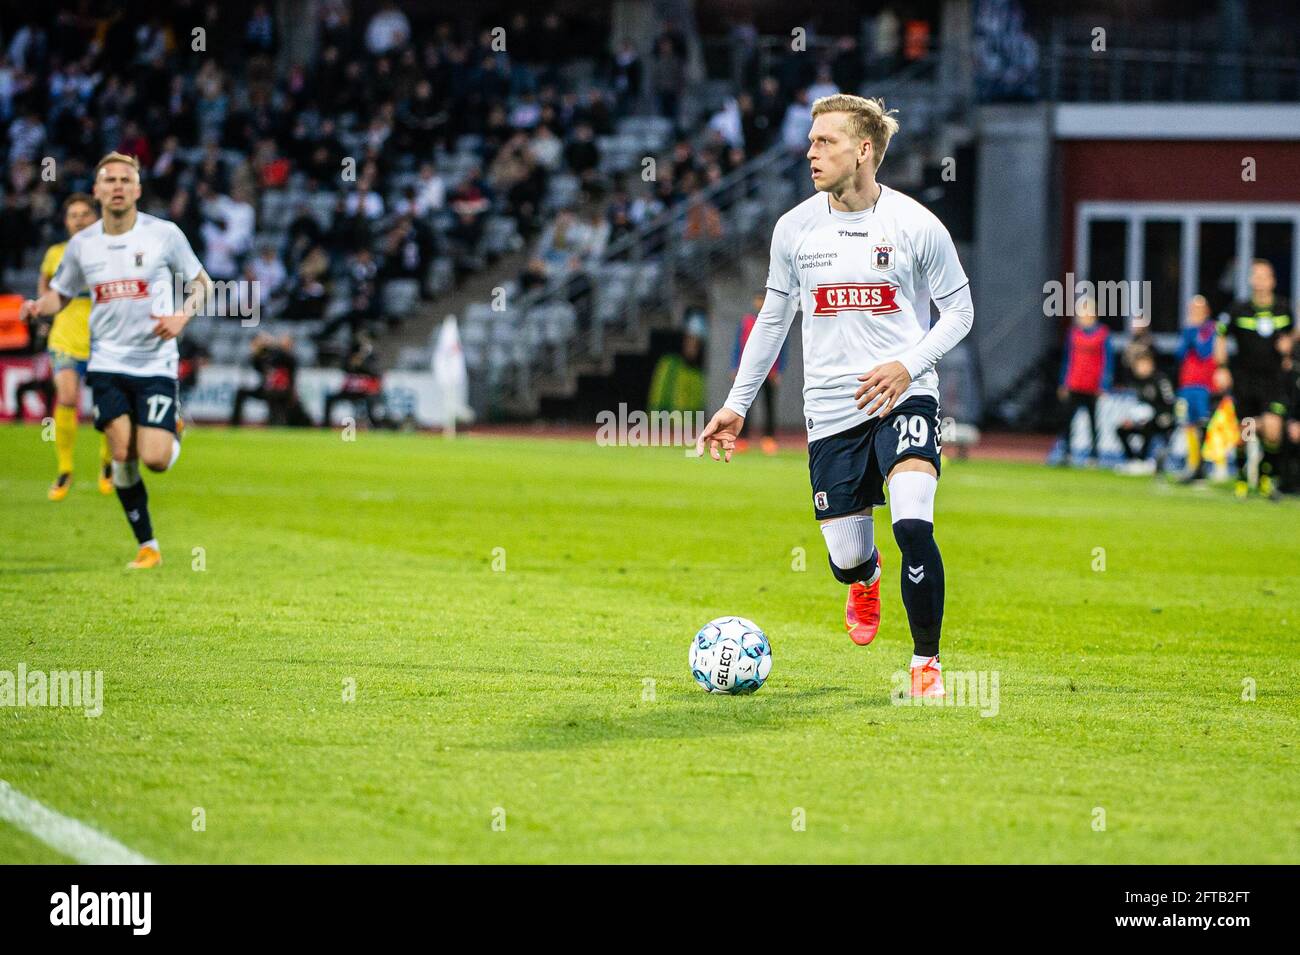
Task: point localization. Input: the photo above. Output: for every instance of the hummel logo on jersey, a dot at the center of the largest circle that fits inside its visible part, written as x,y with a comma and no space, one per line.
874,297
916,574
860,235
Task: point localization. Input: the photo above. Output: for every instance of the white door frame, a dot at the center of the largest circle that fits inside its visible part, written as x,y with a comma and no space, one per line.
1191,214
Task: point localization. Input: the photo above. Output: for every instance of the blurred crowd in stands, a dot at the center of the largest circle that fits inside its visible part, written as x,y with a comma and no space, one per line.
404,157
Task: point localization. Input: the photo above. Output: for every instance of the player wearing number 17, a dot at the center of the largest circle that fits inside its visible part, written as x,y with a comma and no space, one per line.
864,263
132,263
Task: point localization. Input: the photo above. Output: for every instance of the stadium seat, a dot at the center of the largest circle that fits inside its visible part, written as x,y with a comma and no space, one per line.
562,191
400,297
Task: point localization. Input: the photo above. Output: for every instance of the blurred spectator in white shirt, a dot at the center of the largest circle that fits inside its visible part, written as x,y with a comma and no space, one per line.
26,136
824,85
548,149
387,30
268,271
726,121
795,125
430,191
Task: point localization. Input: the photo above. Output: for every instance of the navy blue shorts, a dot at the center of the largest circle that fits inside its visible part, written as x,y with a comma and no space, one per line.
150,402
848,469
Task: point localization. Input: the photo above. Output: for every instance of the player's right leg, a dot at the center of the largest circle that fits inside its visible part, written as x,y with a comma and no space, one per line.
850,542
114,406
840,469
66,395
131,492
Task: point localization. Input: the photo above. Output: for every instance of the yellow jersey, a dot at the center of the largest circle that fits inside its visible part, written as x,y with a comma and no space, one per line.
71,329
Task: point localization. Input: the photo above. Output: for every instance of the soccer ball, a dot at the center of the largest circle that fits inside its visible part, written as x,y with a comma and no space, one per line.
730,655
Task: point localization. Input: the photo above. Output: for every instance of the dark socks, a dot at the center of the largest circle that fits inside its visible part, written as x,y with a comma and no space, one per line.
863,572
135,501
922,583
1270,464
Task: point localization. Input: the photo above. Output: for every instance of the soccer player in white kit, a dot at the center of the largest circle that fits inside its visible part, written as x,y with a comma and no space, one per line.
132,263
863,262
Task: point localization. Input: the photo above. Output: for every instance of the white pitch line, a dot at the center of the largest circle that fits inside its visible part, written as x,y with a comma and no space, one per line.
66,835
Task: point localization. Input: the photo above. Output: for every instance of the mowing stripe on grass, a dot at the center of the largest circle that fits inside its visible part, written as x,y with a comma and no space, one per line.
74,839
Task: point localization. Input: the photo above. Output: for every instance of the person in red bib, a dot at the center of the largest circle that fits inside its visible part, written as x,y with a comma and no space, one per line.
1085,373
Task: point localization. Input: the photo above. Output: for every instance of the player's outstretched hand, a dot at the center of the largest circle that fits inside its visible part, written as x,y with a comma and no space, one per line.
721,433
882,386
29,309
169,326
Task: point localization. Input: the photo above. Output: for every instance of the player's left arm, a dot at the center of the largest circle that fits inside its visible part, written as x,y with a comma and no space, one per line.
937,257
198,286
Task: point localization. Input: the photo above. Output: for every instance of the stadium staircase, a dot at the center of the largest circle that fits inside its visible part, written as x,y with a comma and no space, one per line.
541,346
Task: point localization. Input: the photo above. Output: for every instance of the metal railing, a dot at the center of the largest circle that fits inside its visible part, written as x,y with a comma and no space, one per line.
1073,74
635,275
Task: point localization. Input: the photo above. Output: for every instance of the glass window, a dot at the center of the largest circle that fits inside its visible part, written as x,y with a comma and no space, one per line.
1107,247
1217,278
1162,266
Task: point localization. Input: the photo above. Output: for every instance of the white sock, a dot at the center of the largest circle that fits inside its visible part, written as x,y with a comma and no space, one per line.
922,661
176,452
850,540
911,496
126,473
152,542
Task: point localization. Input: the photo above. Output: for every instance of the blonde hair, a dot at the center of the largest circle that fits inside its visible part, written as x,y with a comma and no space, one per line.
868,119
118,157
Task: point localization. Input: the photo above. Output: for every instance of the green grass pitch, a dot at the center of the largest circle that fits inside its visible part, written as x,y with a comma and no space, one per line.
515,615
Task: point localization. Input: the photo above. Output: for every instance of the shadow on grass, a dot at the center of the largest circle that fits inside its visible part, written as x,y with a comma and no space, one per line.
685,715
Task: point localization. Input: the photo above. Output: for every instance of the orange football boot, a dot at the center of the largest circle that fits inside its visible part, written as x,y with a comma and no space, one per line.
148,557
862,609
59,489
927,679
106,479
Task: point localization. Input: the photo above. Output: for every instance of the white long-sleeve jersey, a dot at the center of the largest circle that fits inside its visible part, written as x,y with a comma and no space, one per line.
864,281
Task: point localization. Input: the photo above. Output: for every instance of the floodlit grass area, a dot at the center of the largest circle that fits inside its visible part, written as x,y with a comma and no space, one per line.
404,649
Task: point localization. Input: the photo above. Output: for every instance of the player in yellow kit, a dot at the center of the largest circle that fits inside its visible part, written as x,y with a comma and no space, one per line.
69,345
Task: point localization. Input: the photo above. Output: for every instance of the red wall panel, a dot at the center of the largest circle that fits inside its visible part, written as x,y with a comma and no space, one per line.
1172,171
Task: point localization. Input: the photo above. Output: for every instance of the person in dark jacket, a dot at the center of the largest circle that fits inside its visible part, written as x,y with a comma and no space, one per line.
1154,416
277,370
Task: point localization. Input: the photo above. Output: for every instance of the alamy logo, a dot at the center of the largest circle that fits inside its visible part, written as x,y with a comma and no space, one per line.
977,689
103,908
73,688
648,429
1120,299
